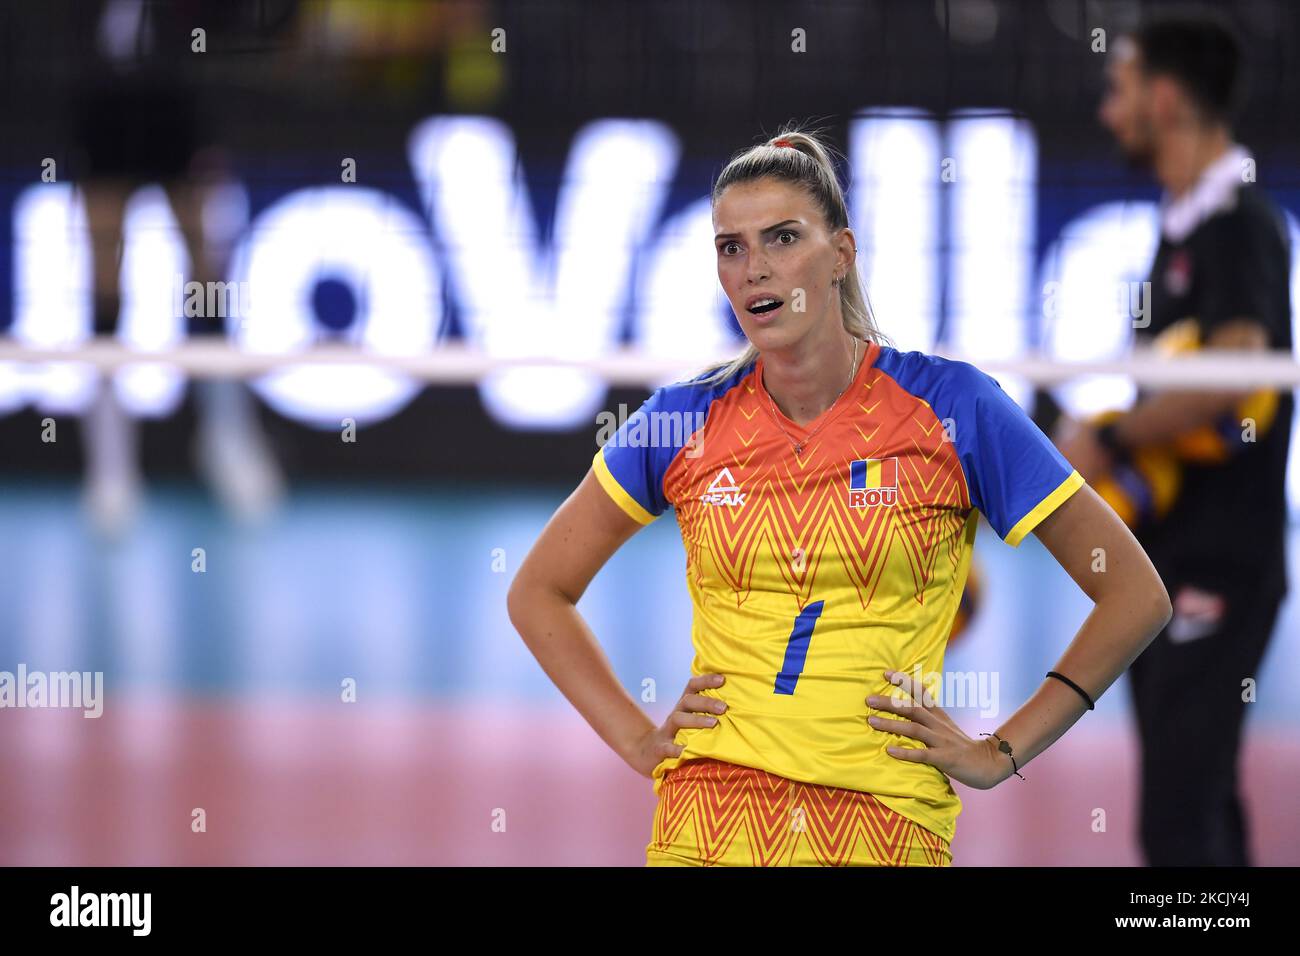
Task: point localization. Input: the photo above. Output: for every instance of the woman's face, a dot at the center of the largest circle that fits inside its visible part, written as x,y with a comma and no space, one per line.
772,242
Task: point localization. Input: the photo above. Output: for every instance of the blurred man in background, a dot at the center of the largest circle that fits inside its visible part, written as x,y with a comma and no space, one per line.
1220,280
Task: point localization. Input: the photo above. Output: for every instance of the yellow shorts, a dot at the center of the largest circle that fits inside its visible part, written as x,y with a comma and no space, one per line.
712,813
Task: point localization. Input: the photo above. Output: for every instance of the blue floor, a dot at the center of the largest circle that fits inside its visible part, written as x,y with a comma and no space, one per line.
396,588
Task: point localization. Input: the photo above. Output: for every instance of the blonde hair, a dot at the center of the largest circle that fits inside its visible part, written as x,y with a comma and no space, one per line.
807,164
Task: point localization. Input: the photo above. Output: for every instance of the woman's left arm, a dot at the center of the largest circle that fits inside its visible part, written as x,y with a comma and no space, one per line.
1131,606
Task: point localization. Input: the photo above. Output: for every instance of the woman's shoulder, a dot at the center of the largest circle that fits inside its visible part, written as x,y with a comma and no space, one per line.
929,371
707,384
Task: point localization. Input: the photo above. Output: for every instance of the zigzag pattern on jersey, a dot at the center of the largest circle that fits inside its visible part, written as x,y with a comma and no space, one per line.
722,813
800,527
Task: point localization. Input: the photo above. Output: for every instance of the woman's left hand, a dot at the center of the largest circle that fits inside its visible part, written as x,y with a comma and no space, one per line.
975,762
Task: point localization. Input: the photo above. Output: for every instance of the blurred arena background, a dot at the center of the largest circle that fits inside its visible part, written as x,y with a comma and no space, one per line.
453,187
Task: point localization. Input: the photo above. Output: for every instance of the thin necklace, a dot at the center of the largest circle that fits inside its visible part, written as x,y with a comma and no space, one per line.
799,445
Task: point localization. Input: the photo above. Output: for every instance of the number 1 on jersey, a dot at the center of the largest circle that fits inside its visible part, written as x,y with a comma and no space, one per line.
796,649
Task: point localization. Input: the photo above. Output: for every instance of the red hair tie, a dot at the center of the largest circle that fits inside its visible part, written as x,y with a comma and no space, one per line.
783,142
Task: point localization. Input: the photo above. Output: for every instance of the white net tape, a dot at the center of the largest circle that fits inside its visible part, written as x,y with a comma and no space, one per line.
456,364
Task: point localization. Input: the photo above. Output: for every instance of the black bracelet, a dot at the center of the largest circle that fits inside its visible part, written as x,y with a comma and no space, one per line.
1005,748
1091,705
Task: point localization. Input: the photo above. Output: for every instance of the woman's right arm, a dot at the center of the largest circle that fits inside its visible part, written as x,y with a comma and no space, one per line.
581,536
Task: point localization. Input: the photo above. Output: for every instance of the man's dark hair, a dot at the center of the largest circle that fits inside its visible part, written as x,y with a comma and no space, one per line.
1203,53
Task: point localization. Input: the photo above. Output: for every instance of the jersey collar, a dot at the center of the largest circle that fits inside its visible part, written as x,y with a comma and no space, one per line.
1215,190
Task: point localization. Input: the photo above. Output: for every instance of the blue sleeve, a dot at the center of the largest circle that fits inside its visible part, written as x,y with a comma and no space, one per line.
630,465
1016,476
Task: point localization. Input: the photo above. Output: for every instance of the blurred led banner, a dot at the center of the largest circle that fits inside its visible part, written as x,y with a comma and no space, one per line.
944,211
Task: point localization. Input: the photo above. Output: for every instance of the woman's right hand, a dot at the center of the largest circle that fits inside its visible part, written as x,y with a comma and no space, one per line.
692,710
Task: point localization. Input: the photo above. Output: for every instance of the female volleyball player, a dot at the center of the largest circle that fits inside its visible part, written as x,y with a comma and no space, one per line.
828,507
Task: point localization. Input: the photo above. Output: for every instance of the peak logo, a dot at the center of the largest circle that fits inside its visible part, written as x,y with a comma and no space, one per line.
723,491
873,482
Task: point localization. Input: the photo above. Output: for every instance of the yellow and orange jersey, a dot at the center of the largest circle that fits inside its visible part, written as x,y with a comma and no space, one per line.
812,574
